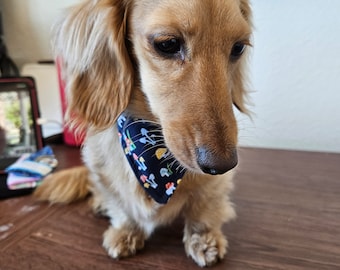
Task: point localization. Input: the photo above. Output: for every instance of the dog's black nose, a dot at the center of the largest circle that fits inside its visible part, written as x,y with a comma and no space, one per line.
211,163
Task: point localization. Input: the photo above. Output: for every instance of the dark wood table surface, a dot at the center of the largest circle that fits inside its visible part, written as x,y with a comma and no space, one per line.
288,206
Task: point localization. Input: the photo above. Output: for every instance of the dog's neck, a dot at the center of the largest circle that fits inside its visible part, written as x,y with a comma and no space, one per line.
155,168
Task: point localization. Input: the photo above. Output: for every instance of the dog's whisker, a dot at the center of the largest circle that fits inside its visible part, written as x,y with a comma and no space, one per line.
153,140
183,169
143,121
169,157
172,163
153,135
180,168
149,149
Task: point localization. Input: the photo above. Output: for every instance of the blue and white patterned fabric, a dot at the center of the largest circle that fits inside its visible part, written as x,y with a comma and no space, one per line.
155,168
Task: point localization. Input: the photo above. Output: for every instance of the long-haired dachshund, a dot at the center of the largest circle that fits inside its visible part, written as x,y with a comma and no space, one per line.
154,83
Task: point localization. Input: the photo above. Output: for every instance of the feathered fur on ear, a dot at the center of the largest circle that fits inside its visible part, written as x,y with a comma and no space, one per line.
97,68
239,92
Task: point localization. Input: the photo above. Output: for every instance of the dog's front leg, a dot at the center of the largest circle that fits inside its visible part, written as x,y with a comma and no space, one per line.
205,215
123,241
124,237
205,245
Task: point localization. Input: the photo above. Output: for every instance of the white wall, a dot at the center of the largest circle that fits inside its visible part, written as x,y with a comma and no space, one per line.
27,25
295,73
295,67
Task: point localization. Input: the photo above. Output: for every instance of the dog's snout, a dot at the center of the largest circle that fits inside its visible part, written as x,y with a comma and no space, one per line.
214,164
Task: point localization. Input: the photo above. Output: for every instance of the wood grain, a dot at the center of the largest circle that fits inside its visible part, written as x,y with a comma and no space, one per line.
288,207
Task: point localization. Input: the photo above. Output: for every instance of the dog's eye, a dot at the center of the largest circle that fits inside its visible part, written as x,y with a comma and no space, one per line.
168,47
237,50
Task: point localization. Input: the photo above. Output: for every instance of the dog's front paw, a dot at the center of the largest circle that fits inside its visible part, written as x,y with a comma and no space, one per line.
123,242
206,248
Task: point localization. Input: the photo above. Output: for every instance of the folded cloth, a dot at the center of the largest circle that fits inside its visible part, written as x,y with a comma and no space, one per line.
30,169
15,182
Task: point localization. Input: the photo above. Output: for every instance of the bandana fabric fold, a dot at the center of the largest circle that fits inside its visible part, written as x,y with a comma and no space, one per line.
155,168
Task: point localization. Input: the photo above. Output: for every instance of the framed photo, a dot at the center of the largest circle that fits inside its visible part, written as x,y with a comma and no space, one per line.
19,131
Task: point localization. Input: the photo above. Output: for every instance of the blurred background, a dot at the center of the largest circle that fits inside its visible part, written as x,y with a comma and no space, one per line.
294,73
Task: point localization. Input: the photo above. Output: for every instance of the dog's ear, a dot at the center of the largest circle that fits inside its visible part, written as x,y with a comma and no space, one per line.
239,92
91,41
246,10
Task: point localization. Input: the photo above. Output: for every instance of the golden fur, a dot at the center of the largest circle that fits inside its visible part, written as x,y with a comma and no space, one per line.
112,64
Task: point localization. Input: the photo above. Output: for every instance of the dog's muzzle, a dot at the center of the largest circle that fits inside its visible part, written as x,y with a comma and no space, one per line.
214,164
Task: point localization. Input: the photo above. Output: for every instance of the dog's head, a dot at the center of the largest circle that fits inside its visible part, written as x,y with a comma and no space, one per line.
180,60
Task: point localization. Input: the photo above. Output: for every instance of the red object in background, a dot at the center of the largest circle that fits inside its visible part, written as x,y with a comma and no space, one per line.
69,136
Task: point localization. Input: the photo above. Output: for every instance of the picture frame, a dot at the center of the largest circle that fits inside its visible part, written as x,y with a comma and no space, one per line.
20,132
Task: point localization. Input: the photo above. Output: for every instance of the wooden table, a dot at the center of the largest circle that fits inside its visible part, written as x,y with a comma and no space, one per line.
288,206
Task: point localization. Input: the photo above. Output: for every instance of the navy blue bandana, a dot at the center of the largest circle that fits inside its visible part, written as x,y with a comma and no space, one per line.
156,169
